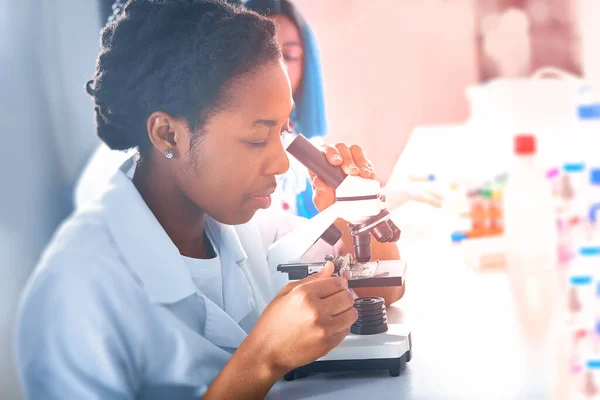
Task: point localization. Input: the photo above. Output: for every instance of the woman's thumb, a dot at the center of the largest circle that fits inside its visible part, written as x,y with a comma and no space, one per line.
327,270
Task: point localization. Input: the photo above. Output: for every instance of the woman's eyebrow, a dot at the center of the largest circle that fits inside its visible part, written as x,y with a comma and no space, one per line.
270,122
266,122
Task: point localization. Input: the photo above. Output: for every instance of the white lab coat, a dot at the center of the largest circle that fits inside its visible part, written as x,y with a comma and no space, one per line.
112,312
272,223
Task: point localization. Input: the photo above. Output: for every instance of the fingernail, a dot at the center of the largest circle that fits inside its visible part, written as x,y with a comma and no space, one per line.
366,169
353,168
335,157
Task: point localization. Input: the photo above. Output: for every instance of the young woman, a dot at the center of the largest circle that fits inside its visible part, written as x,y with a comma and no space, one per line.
159,288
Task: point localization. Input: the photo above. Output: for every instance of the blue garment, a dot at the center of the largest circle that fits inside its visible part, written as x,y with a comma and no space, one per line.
304,203
309,116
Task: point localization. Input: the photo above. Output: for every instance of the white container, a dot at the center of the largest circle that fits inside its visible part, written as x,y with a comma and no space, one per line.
544,103
529,214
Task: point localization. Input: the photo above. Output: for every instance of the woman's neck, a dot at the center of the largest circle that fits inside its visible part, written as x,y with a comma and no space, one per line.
181,219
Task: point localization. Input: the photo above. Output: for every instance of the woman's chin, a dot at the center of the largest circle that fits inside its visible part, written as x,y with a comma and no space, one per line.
240,217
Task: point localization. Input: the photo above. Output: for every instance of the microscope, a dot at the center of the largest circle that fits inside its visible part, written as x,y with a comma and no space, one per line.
373,343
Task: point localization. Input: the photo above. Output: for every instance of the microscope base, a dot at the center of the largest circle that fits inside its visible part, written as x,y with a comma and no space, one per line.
394,365
389,350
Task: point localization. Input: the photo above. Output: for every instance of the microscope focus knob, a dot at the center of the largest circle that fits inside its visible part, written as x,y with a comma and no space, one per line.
372,317
383,232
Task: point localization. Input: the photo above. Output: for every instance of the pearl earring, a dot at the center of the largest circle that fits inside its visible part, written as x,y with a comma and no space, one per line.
169,153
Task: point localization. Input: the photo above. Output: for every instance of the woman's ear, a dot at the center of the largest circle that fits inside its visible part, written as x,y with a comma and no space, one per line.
168,133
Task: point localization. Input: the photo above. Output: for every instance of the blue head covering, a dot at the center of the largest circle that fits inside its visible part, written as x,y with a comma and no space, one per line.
309,115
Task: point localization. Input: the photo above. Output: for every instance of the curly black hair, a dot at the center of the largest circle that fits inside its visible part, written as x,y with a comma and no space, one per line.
176,56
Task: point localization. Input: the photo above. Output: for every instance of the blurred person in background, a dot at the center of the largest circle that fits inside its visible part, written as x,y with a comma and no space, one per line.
302,59
160,287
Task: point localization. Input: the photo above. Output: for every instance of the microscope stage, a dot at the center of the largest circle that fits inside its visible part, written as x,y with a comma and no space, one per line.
385,273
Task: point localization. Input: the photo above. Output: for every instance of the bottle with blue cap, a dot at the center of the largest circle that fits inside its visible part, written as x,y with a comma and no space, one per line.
583,276
457,237
575,175
588,386
578,330
573,346
571,209
594,205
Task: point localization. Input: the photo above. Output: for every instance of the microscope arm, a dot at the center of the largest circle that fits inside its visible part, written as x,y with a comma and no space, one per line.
291,247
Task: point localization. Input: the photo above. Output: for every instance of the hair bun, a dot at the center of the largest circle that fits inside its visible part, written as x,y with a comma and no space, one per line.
89,89
180,64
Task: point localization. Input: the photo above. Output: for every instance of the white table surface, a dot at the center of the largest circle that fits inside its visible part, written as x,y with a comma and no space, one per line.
468,341
475,334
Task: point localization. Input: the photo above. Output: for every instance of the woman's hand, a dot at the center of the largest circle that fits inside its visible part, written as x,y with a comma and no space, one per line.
304,321
424,193
352,160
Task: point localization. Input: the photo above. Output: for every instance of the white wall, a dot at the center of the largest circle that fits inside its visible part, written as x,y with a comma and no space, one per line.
390,65
46,50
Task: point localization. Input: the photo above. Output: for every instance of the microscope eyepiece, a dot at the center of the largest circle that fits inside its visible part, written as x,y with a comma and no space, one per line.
316,161
331,235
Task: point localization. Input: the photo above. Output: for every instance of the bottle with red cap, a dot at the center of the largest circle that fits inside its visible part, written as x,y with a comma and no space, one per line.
529,213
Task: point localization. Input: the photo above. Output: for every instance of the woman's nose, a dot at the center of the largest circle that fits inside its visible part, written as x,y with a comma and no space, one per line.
279,161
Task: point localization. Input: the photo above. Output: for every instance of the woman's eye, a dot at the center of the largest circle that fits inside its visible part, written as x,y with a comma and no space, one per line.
290,58
258,145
